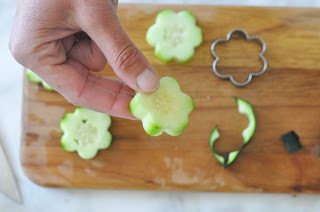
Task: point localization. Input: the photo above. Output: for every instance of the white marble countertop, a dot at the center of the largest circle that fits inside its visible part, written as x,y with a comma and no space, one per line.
42,199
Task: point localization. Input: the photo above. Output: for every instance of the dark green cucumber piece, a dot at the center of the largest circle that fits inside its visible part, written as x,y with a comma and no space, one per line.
291,142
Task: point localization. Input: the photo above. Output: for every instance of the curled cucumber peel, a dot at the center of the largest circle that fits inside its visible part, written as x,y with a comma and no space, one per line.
86,132
174,36
165,110
246,109
33,77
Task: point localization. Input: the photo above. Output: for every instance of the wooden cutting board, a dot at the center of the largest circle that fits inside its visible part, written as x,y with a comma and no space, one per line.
286,98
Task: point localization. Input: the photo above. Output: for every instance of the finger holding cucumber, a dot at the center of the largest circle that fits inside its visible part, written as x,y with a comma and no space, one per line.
68,46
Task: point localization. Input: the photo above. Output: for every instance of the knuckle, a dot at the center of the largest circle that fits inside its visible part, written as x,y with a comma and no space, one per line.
89,11
128,58
16,51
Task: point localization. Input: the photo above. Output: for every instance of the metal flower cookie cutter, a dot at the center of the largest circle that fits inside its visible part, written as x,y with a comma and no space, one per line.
246,36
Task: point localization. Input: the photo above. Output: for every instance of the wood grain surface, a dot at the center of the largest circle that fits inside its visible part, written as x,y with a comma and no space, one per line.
286,98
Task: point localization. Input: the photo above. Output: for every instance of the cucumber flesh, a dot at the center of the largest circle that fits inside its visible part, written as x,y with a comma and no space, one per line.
232,157
86,132
33,77
245,108
165,110
174,36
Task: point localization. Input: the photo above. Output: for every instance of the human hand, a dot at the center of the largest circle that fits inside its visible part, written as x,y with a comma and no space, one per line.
65,42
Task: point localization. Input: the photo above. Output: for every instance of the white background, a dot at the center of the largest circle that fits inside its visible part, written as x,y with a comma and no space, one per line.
41,199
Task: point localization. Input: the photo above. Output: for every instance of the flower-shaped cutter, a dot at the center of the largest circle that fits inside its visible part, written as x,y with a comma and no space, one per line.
245,35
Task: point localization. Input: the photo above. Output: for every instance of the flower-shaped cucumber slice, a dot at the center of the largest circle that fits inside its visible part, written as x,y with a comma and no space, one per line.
33,77
86,132
246,109
165,110
174,36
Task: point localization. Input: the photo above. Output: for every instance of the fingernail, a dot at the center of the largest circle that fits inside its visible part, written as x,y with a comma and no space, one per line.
148,81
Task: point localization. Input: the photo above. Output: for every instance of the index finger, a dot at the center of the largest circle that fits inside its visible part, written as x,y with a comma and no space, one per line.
85,89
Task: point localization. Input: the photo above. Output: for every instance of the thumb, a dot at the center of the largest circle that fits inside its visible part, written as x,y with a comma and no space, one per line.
123,56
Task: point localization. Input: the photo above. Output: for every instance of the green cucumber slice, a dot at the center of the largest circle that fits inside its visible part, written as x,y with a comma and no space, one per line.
245,108
174,36
33,77
165,110
86,132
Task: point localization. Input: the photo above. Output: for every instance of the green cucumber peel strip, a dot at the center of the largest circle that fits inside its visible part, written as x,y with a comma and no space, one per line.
174,36
86,132
165,110
246,109
34,78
